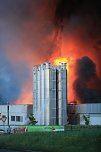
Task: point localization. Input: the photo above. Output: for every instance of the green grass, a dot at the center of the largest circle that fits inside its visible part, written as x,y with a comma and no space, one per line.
84,140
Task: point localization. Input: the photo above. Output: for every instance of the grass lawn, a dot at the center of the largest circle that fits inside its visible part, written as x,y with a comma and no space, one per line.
84,140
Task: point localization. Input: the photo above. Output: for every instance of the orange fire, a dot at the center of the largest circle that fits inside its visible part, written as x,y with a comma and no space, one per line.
69,61
57,61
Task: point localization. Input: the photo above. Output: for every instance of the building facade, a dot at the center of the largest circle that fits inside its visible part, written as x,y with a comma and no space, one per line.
50,94
92,111
15,114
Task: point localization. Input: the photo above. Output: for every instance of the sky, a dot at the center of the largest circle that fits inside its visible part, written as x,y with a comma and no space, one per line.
36,31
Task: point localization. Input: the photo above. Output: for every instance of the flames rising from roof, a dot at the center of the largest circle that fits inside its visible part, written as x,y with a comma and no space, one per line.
69,61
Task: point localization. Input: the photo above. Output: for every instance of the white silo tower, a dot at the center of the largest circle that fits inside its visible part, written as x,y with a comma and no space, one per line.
50,94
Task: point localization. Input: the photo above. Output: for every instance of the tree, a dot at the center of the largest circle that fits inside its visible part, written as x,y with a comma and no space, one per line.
86,119
32,120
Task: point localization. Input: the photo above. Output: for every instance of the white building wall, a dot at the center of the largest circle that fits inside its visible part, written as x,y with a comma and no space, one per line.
18,110
3,111
18,114
95,119
93,110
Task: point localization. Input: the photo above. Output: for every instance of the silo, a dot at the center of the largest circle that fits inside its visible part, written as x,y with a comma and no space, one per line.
47,93
50,94
38,95
42,112
34,91
62,94
59,96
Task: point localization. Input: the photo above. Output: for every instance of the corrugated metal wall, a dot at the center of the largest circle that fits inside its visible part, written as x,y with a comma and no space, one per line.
89,108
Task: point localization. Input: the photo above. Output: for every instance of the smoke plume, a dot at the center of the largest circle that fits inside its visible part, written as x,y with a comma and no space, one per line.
80,23
86,72
34,31
11,78
24,42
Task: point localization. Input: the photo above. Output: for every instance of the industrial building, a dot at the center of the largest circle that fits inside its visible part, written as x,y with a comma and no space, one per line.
50,101
15,114
50,94
19,114
91,110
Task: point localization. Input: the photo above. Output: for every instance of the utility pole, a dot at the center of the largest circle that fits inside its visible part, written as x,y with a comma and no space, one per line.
8,113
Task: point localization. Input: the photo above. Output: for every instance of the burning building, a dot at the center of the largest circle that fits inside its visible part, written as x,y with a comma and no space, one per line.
50,94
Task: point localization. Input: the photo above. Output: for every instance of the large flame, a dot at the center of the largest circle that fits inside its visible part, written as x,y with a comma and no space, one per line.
69,61
57,61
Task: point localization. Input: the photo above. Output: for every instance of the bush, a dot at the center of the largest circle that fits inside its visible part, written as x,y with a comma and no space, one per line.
86,119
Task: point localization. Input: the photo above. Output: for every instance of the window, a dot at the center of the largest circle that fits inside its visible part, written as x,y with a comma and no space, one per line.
19,118
12,118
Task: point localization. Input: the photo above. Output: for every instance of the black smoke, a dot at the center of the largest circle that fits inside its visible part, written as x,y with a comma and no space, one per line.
65,9
83,17
86,72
